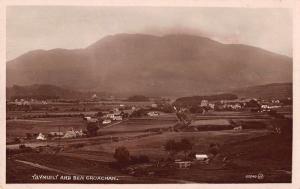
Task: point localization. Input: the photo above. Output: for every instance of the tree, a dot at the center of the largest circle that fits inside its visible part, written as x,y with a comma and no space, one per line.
175,147
196,109
253,104
122,155
139,159
214,148
167,108
171,146
185,145
139,113
99,114
192,155
183,117
92,129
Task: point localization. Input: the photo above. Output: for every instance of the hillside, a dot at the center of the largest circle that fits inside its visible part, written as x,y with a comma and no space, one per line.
171,65
270,91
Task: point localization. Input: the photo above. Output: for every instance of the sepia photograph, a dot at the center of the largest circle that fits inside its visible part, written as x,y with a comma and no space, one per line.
148,95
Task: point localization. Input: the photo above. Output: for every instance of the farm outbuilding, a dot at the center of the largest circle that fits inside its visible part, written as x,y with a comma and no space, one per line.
183,164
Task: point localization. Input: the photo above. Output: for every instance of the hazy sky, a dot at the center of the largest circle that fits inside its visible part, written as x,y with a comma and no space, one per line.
30,28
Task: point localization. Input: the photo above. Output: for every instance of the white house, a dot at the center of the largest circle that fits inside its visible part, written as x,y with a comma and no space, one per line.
153,114
87,118
107,121
201,157
41,137
110,116
118,118
204,103
70,134
238,128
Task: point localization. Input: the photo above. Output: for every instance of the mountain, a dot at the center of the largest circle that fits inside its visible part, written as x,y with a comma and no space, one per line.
171,65
270,91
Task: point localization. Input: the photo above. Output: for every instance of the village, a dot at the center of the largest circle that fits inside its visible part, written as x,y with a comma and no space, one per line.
77,130
120,112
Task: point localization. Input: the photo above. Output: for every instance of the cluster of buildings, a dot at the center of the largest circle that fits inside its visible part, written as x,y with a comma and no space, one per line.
68,134
23,102
108,117
199,158
241,104
153,114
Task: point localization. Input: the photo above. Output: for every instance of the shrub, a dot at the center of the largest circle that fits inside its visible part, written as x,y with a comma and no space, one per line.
214,148
122,155
22,146
92,129
139,159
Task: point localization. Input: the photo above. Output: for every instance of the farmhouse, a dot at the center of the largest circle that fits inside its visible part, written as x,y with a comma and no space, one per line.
153,114
238,128
110,116
211,106
116,111
70,134
79,133
183,164
201,157
41,137
118,118
107,121
73,134
204,103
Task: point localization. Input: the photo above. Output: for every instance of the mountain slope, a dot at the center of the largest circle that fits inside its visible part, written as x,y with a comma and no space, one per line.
171,65
270,91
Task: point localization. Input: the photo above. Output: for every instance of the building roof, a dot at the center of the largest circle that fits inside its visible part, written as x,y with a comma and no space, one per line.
201,156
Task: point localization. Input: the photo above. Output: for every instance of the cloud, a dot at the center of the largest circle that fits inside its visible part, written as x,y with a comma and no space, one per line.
35,27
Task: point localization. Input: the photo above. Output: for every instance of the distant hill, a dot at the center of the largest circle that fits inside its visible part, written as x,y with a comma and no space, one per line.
171,65
196,100
39,91
270,91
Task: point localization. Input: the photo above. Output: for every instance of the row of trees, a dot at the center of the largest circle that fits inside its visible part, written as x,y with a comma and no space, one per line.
166,108
192,100
186,146
123,157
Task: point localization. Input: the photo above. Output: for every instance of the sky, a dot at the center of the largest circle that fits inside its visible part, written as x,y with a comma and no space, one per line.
40,27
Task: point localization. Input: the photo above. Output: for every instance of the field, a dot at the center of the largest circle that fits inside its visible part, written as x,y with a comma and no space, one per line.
250,151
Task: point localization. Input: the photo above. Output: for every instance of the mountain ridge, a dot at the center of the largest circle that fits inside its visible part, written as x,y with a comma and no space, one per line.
175,64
